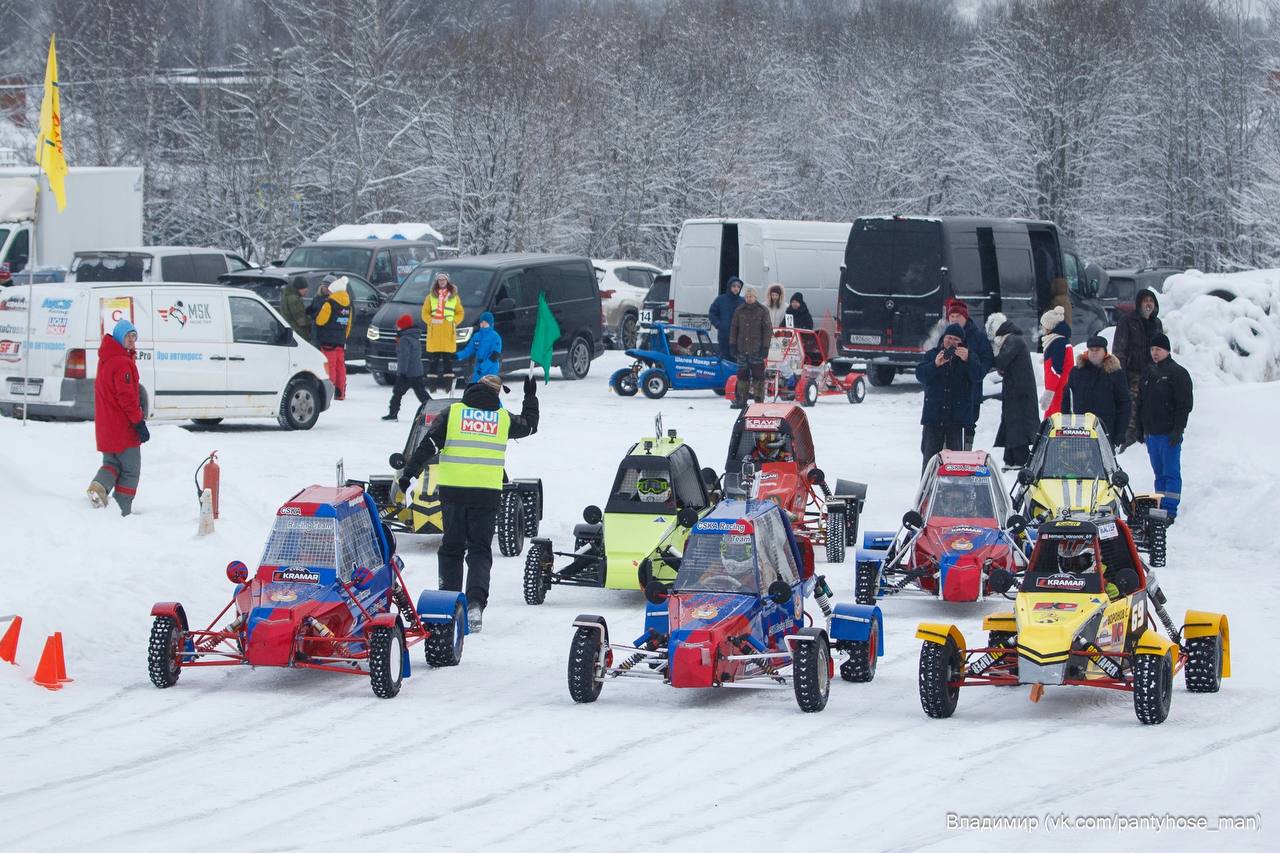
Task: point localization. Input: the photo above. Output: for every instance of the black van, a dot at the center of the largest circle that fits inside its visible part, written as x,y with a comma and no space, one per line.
508,286
899,270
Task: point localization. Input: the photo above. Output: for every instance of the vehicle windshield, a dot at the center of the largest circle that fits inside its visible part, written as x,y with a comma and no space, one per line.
718,562
643,489
111,267
472,283
1059,567
962,497
1073,457
298,541
895,257
330,257
660,290
679,341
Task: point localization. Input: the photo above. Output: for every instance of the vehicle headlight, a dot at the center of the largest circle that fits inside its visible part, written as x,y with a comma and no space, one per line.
373,334
463,334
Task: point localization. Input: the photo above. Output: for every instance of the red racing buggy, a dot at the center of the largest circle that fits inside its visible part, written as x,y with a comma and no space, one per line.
799,369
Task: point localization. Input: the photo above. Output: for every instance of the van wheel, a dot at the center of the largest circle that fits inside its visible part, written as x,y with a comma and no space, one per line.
881,374
382,378
577,361
206,422
300,405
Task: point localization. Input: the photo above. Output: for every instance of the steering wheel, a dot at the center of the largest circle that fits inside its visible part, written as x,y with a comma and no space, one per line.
727,583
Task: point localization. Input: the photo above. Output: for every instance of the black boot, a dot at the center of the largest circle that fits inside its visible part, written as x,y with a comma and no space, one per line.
391,416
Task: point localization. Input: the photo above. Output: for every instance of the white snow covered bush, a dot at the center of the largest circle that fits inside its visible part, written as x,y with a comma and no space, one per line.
1224,327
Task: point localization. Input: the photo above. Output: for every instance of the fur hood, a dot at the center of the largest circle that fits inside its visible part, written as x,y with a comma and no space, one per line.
1110,364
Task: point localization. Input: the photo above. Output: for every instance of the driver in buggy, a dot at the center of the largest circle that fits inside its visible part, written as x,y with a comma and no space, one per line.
682,345
653,487
735,569
770,447
1076,460
1075,557
955,500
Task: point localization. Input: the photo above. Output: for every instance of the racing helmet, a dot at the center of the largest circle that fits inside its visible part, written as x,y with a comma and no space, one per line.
956,500
653,487
1075,556
684,342
737,554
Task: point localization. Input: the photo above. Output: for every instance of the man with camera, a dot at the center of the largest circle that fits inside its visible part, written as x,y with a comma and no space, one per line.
948,373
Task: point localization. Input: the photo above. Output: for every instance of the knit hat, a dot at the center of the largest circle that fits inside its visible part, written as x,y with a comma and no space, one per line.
954,329
994,322
338,285
486,317
1096,341
124,327
798,297
403,322
1050,319
955,306
1161,340
493,382
298,282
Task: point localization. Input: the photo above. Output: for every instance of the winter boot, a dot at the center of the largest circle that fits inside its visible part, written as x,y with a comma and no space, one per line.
390,417
97,495
475,618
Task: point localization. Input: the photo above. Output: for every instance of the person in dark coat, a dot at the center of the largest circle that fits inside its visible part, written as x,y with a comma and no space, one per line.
799,312
1164,405
1097,384
292,308
409,370
948,373
1132,347
975,340
119,424
749,337
1019,411
721,314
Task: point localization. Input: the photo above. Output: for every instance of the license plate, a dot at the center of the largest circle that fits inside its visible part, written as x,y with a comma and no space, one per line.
30,388
696,322
646,315
864,339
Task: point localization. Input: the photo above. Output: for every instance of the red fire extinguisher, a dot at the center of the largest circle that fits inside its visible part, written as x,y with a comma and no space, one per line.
211,479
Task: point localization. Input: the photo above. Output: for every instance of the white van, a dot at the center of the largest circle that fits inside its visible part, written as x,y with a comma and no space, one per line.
155,263
204,352
801,256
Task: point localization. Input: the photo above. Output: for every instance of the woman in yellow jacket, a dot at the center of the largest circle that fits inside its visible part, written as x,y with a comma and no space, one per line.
442,313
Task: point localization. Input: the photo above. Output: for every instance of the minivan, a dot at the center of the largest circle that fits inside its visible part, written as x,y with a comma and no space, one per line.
898,272
155,263
507,285
204,352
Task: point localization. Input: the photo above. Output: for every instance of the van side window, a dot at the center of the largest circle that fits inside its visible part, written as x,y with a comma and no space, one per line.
512,287
206,268
1071,272
383,270
360,291
253,323
176,268
20,251
569,281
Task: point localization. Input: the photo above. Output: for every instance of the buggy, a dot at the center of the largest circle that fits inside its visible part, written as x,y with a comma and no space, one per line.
951,540
771,457
1088,613
799,369
328,594
680,358
734,617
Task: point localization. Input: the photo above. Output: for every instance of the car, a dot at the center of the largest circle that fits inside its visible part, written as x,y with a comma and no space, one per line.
771,457
328,594
798,368
631,541
419,511
734,617
185,264
1074,469
269,283
951,540
1121,290
623,288
679,358
383,263
658,306
1087,613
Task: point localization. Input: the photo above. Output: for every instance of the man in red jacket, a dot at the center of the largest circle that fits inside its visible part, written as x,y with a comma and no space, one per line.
119,423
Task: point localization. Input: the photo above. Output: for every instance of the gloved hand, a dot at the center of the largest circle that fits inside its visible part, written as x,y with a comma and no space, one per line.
404,483
1124,445
1045,399
530,386
144,434
1175,438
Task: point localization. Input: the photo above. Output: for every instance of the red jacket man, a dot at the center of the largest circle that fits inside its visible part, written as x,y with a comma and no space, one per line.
119,423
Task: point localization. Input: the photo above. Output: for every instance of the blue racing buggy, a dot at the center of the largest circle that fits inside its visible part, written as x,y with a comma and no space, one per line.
672,357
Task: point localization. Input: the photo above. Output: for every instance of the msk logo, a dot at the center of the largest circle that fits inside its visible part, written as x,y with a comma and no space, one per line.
175,313
289,510
479,422
1067,582
51,304
295,574
186,312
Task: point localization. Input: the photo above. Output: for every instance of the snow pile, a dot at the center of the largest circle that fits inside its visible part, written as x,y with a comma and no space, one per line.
1225,328
383,231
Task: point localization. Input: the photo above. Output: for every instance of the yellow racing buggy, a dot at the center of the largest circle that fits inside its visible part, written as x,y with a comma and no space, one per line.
1074,469
1087,613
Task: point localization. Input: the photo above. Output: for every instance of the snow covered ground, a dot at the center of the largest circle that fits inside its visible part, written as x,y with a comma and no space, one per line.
493,754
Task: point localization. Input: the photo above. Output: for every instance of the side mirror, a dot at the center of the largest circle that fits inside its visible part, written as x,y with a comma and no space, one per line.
284,337
656,592
506,303
1119,479
397,461
1016,524
592,514
687,517
709,477
780,592
912,520
817,477
1126,580
237,572
748,470
1026,477
1000,581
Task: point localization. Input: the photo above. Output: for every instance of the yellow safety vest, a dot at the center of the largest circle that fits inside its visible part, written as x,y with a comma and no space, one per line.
449,310
475,446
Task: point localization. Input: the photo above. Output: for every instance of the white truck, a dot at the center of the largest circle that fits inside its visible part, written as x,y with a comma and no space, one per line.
104,209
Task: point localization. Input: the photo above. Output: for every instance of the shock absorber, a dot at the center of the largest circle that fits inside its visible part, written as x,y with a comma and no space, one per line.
822,595
210,643
628,664
401,599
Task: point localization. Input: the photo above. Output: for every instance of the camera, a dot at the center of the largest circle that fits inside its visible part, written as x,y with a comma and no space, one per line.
949,352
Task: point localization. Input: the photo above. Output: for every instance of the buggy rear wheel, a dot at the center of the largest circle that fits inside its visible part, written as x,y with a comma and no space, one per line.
536,579
811,670
1152,688
511,524
857,391
861,665
584,660
444,646
623,383
654,384
939,669
1157,538
386,659
530,512
162,653
1203,672
866,581
835,535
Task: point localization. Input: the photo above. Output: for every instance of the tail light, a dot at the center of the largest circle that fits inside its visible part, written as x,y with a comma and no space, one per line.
75,364
607,294
671,310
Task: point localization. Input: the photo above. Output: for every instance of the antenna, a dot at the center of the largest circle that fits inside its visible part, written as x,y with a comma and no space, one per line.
657,426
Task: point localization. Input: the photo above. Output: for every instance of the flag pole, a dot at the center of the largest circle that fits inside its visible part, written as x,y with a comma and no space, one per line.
31,301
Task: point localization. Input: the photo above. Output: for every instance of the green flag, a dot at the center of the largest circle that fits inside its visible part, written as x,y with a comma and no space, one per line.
545,335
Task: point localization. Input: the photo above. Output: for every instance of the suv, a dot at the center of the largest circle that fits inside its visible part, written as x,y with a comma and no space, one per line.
508,285
385,263
1123,286
269,283
155,263
658,301
623,286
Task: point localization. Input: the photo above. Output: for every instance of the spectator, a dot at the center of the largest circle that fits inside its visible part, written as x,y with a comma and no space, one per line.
119,424
777,307
948,373
975,340
1058,359
1019,413
721,314
799,312
408,366
442,312
1097,384
749,337
331,309
1061,298
292,309
1132,347
485,347
1164,405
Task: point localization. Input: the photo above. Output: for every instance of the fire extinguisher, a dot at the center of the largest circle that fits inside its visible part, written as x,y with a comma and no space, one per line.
211,479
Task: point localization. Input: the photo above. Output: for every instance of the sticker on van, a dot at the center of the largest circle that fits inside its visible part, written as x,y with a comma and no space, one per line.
113,309
9,350
196,313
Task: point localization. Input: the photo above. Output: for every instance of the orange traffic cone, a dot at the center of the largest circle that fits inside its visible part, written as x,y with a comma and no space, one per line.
47,670
9,645
61,660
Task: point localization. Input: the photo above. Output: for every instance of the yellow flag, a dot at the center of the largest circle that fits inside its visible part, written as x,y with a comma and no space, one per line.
49,156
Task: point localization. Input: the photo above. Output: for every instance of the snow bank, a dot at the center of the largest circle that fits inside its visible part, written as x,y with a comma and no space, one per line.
383,231
1224,328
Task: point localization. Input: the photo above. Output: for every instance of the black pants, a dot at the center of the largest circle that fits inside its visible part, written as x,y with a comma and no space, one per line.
750,369
1017,457
935,438
403,384
469,530
440,370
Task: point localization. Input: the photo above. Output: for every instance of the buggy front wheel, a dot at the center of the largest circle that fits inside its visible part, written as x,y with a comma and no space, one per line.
585,682
939,672
386,660
835,535
162,653
536,580
623,382
654,384
811,670
807,393
858,390
444,646
1152,688
511,524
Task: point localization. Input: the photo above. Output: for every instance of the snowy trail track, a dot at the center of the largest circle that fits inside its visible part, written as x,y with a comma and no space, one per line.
493,754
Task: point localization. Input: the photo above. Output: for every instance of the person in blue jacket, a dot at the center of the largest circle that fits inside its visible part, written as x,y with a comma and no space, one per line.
485,347
721,314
